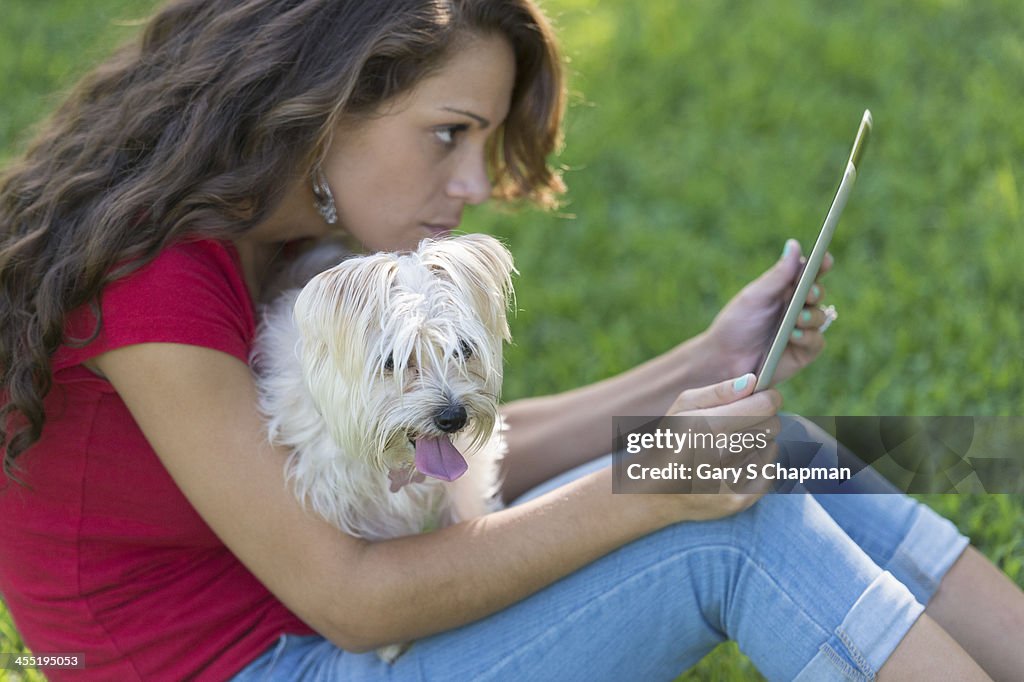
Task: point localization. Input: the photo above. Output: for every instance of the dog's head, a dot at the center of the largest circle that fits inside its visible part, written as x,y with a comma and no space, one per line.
402,350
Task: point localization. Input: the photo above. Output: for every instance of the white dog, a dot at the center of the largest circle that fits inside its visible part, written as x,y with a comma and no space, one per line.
371,370
368,372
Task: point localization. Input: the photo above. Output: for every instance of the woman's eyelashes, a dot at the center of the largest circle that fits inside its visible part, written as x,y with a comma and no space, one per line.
447,135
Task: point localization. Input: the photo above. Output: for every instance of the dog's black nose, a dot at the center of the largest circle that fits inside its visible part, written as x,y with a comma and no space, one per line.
451,418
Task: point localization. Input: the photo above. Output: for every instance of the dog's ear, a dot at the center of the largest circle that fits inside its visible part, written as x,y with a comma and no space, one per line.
339,306
481,268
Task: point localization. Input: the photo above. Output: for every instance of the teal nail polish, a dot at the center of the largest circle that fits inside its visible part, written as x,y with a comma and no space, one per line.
816,291
741,383
797,334
806,316
787,249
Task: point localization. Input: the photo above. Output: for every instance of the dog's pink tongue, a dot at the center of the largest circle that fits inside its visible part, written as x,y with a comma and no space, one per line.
437,457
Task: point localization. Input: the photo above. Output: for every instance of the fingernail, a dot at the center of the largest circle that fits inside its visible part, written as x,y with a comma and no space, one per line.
806,316
786,250
816,291
741,383
797,334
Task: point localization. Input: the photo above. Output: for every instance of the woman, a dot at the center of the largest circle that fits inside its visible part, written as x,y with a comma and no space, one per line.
146,519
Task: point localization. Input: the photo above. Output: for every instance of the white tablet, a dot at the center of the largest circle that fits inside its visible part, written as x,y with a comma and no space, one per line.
766,373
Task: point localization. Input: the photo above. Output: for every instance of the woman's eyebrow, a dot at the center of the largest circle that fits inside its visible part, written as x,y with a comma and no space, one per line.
484,123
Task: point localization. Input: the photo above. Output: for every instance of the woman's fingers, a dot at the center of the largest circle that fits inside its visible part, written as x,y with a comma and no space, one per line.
826,264
728,393
704,397
808,341
816,294
810,318
728,406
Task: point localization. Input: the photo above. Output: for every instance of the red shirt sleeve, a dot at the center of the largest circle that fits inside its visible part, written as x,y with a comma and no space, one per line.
192,293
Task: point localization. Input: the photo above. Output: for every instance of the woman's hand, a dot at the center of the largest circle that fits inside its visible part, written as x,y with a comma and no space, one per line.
742,331
726,408
551,434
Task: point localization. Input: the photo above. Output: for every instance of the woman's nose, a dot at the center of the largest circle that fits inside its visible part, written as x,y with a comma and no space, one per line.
470,181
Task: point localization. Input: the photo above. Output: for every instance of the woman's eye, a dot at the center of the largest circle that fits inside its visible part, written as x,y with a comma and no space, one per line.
446,134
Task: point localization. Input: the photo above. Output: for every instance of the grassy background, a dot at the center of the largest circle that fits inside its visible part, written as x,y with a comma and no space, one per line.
702,135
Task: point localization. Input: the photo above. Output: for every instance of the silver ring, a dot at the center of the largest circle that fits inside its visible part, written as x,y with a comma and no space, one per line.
830,316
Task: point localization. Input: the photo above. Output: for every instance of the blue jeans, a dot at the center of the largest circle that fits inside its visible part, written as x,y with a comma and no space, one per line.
811,587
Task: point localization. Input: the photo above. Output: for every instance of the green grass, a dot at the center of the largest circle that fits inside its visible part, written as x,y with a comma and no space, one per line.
702,135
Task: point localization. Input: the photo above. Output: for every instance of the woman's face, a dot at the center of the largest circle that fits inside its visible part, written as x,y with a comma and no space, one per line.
408,173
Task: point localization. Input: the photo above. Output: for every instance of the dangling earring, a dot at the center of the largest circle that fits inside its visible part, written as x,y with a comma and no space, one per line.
324,200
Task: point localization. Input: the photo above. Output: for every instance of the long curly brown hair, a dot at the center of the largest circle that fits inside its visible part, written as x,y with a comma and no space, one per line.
196,128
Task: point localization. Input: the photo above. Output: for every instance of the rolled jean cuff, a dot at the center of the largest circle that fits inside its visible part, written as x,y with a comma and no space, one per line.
868,635
929,550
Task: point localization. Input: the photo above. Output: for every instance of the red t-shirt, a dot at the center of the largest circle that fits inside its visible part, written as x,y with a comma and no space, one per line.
103,555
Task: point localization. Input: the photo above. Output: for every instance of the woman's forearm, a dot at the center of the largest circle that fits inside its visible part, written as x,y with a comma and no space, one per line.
419,585
362,594
551,434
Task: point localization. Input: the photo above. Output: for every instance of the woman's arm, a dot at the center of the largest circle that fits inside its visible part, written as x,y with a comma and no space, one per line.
197,407
551,434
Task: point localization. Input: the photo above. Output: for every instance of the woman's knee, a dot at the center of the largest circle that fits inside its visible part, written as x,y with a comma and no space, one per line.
718,558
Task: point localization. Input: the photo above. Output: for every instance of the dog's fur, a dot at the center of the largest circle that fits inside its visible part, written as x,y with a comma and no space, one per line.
361,361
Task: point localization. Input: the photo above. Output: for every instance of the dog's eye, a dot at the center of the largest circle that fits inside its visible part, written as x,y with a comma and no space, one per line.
465,350
389,363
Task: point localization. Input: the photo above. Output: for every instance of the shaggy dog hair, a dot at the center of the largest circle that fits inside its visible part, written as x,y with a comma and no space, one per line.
382,376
